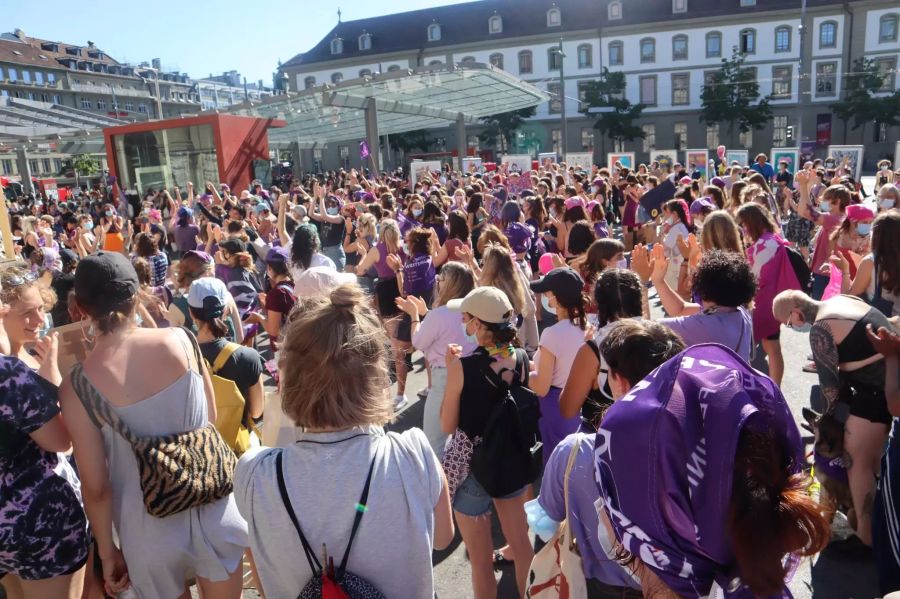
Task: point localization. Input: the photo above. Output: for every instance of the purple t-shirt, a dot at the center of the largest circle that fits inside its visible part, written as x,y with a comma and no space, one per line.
186,237
583,494
734,329
418,276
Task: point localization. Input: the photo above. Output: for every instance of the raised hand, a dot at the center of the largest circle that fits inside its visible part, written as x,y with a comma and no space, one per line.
695,251
683,247
640,262
659,262
394,262
885,342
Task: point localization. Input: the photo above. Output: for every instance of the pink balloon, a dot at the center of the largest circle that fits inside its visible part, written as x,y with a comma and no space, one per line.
545,263
721,151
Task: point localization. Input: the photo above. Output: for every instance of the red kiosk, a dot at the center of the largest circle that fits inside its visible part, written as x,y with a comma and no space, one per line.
209,147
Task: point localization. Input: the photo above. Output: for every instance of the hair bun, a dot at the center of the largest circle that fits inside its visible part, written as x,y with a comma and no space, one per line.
347,296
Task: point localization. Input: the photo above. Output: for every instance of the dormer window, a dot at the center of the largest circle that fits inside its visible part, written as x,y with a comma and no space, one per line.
337,46
73,51
365,41
614,11
554,17
50,47
434,32
495,24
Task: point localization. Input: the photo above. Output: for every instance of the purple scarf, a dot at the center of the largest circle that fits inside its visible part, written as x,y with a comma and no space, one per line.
664,459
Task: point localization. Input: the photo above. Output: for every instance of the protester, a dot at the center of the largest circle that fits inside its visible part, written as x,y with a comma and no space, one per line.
878,274
334,382
830,212
26,322
280,299
154,555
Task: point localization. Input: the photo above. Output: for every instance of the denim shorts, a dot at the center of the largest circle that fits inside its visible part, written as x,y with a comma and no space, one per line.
472,500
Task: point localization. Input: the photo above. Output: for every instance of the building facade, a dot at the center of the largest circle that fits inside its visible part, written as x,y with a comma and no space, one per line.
229,89
801,53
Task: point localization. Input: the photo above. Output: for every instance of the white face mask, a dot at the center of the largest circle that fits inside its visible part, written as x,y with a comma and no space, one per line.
545,302
623,263
670,221
886,204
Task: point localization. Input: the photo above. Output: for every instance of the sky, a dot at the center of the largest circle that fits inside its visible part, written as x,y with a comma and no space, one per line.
197,37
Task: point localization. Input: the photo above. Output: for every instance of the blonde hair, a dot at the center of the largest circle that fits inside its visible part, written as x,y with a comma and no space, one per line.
13,293
720,232
367,224
390,235
457,280
334,362
499,270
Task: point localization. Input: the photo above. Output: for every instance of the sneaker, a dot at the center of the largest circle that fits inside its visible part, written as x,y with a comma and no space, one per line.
811,367
400,402
423,393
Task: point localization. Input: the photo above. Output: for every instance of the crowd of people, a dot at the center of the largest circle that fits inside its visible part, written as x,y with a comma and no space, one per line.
644,452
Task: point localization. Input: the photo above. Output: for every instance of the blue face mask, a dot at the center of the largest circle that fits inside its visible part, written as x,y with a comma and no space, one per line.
469,338
417,212
108,213
332,211
864,228
803,328
824,206
89,225
887,204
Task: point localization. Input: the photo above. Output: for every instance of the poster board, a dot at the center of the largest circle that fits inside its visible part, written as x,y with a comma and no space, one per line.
473,165
742,157
807,152
517,162
583,159
626,159
789,155
419,169
545,159
854,155
897,156
73,345
697,160
665,158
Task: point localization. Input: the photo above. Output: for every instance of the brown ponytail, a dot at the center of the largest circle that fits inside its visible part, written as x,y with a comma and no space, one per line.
243,260
771,514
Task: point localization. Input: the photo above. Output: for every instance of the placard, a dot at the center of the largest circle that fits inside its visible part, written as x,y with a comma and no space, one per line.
73,344
583,159
697,160
473,165
545,159
854,156
517,162
419,169
789,155
626,159
742,157
665,158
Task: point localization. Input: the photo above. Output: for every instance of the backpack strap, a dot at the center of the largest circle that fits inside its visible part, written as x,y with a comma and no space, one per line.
314,564
361,508
594,348
97,408
223,356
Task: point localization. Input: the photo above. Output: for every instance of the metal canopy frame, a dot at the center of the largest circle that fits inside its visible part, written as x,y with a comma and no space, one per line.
394,102
29,121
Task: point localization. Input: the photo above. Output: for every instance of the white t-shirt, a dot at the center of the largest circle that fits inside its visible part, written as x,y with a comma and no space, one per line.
563,340
316,260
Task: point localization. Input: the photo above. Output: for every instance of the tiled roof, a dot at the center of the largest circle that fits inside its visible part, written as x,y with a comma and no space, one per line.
467,23
28,51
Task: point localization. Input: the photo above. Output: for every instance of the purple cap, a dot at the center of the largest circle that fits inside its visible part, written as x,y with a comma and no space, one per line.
519,236
718,182
664,460
698,205
278,254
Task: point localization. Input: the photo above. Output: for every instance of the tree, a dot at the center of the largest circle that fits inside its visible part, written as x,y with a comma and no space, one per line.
84,164
731,95
860,101
501,127
410,141
617,114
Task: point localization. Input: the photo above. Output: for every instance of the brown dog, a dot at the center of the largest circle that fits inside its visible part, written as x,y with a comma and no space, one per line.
830,462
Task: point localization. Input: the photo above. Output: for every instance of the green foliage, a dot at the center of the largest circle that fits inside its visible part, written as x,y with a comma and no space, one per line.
618,122
411,141
860,102
731,95
85,164
503,126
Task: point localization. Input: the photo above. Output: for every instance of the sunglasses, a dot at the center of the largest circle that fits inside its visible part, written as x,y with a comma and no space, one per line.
19,280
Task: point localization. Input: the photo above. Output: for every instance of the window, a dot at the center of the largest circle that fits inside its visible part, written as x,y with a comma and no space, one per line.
31,96
26,76
680,133
748,2
309,83
434,32
57,165
713,44
614,10
7,167
554,17
86,104
525,62
396,67
745,139
554,59
142,108
828,34
365,41
556,140
587,138
554,106
12,74
615,53
781,82
45,164
337,78
495,24
887,68
748,41
649,131
129,106
583,87
779,131
681,83
783,39
887,29
467,59
51,78
365,73
57,99
648,90
880,132
33,166
679,47
679,6
712,135
826,79
101,104
648,50
496,60
585,56
45,97
337,46
473,142
434,63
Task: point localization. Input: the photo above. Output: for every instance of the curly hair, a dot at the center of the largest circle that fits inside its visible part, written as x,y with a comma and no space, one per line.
725,278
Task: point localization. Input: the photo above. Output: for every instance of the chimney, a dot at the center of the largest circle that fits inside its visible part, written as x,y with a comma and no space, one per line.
90,44
157,64
259,83
19,33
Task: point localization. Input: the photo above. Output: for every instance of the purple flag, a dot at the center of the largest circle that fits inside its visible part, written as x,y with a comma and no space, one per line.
664,458
363,149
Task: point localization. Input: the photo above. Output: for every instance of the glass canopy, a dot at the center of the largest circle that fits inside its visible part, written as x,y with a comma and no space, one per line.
24,121
405,100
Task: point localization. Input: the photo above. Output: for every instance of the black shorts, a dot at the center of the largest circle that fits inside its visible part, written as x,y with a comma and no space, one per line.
404,328
386,291
870,403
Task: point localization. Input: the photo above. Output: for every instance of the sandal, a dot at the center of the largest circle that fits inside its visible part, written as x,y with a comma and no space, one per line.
500,561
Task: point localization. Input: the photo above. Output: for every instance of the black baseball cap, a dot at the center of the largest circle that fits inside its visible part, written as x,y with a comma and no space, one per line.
563,282
233,246
104,280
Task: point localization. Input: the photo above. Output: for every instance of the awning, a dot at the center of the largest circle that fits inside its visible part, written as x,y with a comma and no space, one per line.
405,100
28,121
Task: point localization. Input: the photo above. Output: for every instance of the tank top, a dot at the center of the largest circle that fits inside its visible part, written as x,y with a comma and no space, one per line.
381,266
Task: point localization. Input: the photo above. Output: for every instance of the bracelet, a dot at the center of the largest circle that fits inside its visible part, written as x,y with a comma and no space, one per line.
648,284
416,321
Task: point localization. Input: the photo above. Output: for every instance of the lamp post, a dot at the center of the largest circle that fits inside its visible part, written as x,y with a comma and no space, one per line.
167,170
562,100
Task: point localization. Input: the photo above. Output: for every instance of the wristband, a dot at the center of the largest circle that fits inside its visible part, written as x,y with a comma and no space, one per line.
648,284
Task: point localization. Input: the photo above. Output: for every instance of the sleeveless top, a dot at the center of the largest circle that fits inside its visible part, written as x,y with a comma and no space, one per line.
381,266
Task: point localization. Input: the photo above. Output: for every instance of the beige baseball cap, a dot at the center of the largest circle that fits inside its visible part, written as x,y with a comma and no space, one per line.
487,304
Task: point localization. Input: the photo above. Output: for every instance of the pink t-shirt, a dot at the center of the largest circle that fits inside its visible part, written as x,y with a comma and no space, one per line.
820,254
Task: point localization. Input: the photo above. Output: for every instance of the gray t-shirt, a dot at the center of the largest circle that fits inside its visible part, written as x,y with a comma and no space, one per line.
733,329
324,475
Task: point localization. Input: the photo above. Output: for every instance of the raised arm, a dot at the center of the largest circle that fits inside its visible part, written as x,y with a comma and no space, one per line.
825,356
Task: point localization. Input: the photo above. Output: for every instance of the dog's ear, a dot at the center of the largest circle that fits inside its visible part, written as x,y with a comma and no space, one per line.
811,417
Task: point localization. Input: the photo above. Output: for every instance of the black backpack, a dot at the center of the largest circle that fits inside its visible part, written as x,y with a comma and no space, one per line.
801,269
502,463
